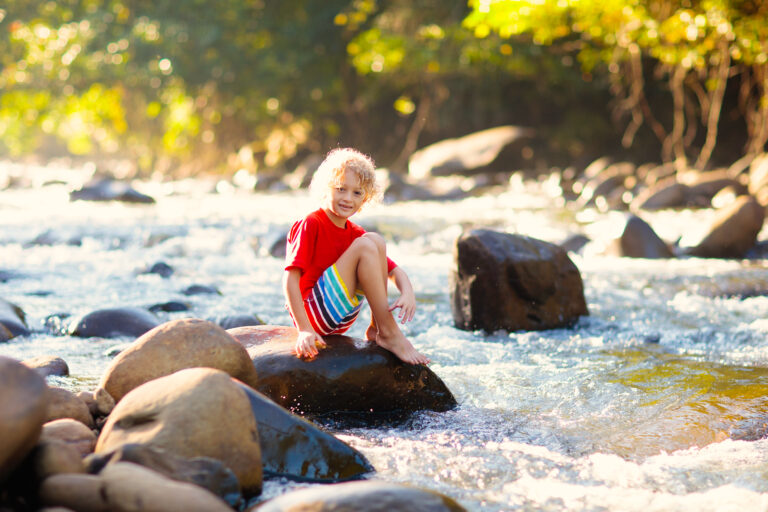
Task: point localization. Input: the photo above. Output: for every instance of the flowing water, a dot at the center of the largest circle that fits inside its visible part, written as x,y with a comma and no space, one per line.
657,401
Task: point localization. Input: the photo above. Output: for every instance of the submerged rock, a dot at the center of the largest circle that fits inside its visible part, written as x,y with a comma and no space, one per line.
294,448
513,282
23,403
349,376
197,412
173,346
361,496
113,323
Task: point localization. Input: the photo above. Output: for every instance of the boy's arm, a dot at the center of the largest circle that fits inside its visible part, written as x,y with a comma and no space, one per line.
308,341
407,300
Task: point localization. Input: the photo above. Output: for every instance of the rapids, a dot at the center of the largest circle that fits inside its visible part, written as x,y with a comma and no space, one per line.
657,401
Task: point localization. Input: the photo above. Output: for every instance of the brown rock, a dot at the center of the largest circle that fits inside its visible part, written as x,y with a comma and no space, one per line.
370,496
63,403
23,403
513,282
173,346
48,365
639,240
197,412
82,493
56,457
734,230
71,432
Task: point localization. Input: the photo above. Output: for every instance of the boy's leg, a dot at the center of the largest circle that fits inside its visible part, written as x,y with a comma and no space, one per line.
364,266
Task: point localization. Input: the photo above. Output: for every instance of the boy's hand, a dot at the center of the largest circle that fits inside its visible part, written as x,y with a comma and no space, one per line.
308,344
407,305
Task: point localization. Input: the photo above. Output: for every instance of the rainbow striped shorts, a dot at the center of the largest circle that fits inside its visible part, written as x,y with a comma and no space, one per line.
329,305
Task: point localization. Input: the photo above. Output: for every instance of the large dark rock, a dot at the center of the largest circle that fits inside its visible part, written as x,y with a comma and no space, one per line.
350,375
294,448
113,323
733,232
23,402
360,496
483,151
639,240
12,321
513,282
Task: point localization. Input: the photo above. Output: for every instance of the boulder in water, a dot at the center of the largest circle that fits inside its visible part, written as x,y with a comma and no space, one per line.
113,323
513,282
109,190
48,365
639,240
733,232
197,412
349,376
292,447
12,321
173,346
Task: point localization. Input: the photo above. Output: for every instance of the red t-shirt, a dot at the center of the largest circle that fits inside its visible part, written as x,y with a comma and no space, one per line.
315,243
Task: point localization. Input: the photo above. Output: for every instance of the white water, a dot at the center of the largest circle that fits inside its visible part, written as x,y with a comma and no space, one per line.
597,417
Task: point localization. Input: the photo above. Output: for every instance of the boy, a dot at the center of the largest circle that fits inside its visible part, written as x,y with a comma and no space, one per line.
328,257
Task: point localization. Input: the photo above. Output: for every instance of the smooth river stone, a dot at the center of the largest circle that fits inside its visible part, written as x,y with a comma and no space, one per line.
349,376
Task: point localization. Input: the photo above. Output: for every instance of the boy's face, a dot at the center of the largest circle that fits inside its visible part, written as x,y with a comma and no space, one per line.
345,199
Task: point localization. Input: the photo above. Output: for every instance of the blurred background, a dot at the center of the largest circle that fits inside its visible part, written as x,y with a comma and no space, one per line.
183,88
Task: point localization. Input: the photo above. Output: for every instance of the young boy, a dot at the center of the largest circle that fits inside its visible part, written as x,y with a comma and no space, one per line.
333,264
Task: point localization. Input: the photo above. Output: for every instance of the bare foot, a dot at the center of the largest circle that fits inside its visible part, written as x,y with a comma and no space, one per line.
402,348
371,333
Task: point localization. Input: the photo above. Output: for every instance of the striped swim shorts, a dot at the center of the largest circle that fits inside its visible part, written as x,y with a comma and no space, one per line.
330,307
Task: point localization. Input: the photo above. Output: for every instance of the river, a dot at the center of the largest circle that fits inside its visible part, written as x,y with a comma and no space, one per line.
656,401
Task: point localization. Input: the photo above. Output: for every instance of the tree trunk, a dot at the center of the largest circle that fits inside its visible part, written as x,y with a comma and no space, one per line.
715,106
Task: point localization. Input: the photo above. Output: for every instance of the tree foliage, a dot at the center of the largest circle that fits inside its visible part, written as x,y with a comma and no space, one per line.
695,46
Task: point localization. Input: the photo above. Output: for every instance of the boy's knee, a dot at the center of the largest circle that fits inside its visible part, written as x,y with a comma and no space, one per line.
376,239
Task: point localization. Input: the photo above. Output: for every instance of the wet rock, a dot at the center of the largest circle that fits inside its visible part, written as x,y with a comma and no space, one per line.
173,306
199,289
205,472
351,375
113,323
23,401
48,365
71,432
12,321
127,487
63,403
160,268
357,496
489,150
233,321
733,232
294,448
109,190
197,412
173,346
513,282
639,240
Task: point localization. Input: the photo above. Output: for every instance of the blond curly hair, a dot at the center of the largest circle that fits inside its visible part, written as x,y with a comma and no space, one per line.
330,174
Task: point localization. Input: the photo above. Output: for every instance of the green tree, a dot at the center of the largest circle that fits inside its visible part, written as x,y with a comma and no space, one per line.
695,46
